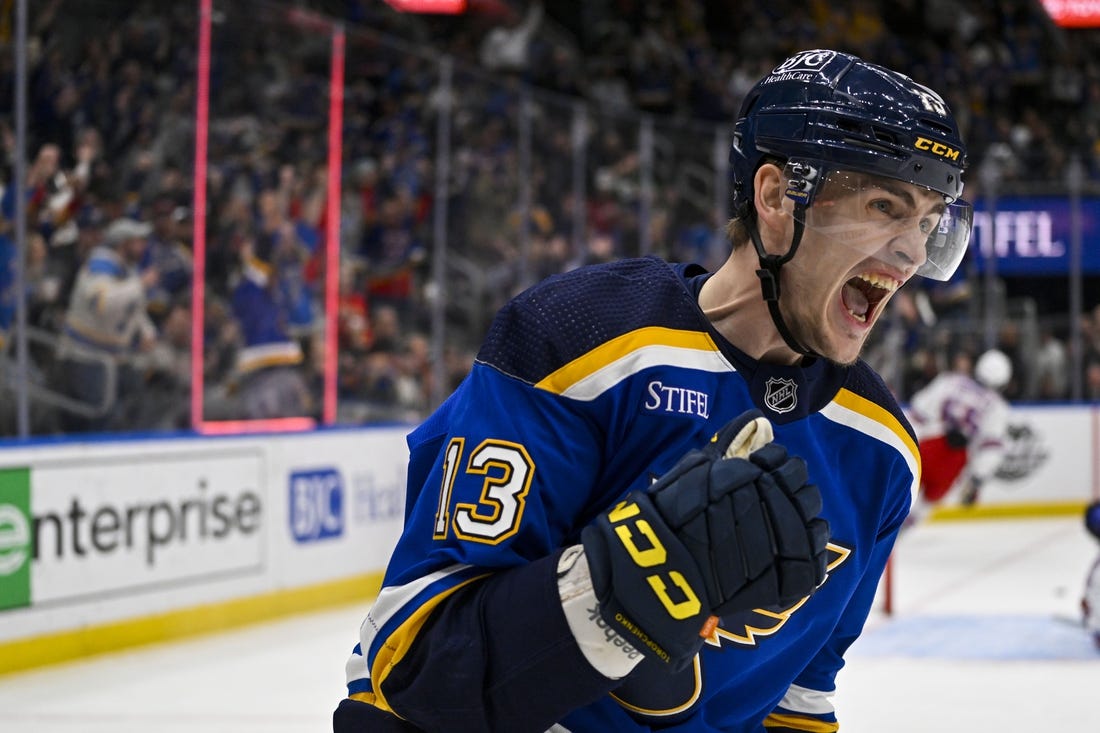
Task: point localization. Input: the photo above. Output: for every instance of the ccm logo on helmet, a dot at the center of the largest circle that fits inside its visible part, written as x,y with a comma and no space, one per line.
937,148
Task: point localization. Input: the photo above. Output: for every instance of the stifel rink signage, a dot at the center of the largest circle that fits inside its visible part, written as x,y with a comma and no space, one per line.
1032,236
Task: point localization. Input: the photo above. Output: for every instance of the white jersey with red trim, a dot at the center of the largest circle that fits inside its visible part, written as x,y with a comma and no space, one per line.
957,403
1091,604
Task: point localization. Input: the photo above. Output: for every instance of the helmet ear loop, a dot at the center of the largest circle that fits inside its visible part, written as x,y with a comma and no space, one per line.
769,274
770,263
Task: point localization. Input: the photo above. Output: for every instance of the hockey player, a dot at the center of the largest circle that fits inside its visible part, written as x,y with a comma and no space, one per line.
1090,602
663,497
961,423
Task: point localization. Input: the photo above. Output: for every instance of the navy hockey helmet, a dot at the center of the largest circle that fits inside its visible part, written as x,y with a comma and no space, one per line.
1092,519
828,110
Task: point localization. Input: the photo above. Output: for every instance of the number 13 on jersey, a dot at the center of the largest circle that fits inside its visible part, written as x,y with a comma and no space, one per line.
505,470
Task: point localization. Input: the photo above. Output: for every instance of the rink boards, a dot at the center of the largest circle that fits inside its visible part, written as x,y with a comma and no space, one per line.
110,544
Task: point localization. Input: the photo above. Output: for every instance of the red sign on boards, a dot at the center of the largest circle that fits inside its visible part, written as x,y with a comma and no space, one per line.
441,7
1074,13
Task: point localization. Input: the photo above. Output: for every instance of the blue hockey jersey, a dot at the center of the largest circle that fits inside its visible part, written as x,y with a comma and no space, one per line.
588,386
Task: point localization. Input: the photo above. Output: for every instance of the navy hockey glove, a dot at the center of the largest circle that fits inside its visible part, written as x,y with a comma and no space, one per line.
732,527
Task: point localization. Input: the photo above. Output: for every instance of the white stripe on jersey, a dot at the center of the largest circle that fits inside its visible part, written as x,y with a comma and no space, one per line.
804,700
657,355
356,668
866,425
389,602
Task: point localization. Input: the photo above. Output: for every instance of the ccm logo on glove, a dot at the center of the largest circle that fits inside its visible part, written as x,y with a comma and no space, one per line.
653,556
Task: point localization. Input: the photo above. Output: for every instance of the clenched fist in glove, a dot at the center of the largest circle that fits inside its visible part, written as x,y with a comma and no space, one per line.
732,527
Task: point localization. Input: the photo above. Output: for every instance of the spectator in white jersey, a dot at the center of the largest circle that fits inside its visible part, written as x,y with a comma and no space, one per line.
106,327
961,420
1090,601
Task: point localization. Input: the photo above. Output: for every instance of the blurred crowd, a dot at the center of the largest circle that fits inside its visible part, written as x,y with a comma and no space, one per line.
110,161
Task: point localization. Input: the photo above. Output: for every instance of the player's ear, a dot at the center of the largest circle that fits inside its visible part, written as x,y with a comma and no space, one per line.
768,185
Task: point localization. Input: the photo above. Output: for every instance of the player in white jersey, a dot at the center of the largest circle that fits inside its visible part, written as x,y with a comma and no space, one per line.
1090,602
961,422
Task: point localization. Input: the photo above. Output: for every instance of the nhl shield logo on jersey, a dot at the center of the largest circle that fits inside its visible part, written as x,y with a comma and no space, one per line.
781,395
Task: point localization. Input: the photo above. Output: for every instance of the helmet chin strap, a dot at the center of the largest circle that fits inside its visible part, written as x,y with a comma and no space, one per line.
769,276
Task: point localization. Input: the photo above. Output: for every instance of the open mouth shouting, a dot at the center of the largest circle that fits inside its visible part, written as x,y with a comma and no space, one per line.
862,294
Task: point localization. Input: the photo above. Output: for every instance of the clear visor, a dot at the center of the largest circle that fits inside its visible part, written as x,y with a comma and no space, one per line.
912,229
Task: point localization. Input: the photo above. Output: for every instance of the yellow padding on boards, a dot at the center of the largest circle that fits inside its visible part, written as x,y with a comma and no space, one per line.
65,646
1023,510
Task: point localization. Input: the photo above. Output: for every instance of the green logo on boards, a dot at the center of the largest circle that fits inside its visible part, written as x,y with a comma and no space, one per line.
15,537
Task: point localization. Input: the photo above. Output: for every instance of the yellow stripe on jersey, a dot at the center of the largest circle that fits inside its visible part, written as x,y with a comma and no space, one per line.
397,646
855,411
797,722
590,375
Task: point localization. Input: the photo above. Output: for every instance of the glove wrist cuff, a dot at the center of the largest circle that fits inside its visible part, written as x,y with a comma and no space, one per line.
608,652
